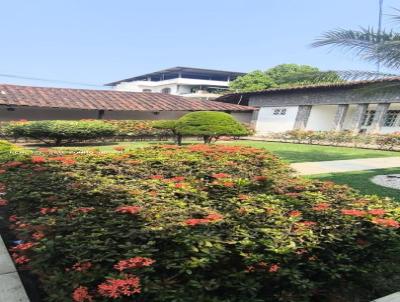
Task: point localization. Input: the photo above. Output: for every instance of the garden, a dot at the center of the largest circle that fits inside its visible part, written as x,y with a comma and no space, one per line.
198,222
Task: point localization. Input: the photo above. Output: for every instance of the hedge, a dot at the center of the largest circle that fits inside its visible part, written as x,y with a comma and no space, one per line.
196,224
336,138
60,132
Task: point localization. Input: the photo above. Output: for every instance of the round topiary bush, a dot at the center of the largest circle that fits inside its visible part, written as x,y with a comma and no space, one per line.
196,224
210,125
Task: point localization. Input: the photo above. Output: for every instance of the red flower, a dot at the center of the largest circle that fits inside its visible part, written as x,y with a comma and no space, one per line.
85,209
179,185
196,221
67,160
82,266
274,268
228,184
128,209
377,212
38,159
116,288
321,207
23,246
260,178
244,197
177,178
390,223
81,294
3,171
135,262
3,202
45,211
220,175
38,235
295,213
157,176
13,218
20,259
356,213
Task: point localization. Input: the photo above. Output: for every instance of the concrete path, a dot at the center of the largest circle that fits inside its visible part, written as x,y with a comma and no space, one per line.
336,166
11,288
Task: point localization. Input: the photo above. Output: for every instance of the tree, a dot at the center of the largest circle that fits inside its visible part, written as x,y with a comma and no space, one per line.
293,75
171,126
253,81
376,46
284,75
210,125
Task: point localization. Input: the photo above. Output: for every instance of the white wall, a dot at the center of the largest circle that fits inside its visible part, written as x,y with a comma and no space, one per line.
321,118
243,117
267,122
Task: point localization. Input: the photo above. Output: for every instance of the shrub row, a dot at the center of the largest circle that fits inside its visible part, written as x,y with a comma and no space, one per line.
382,141
195,224
209,125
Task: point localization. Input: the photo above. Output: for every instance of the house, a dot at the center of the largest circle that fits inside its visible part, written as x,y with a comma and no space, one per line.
184,81
41,103
359,106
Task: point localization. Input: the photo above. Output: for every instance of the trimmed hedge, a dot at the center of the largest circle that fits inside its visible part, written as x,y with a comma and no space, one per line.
61,132
196,224
382,141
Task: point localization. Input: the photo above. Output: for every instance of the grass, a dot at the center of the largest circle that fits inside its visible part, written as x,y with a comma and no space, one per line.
297,153
360,180
292,153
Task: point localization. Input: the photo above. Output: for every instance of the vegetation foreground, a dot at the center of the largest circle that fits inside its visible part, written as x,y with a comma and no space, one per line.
196,223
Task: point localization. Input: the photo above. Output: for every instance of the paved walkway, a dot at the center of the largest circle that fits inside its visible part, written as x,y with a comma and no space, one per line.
336,166
11,288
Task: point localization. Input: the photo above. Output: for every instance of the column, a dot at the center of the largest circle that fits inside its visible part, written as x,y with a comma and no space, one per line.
340,115
358,117
302,117
254,118
379,118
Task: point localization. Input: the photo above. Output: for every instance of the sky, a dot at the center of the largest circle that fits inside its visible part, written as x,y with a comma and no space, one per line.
94,42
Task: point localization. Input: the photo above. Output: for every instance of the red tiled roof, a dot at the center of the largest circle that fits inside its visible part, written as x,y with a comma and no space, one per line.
15,95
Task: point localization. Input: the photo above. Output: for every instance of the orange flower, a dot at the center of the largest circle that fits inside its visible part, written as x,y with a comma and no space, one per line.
119,148
295,213
81,294
128,209
389,223
82,266
38,159
135,262
321,207
356,213
274,268
20,259
220,175
23,246
260,178
377,212
116,288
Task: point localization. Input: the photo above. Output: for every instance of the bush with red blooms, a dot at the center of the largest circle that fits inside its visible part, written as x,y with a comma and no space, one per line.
196,224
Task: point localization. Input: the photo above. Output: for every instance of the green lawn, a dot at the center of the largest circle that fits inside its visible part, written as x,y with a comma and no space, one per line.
293,153
360,180
296,153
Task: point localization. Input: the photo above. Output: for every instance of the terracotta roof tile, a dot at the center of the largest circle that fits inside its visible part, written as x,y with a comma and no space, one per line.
15,95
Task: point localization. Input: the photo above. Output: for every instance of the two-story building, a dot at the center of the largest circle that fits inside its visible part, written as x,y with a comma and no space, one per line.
183,81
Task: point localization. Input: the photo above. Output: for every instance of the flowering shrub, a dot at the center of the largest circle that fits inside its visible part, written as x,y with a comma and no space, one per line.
382,141
196,223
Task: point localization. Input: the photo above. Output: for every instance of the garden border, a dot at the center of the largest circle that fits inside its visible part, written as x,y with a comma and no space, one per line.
11,287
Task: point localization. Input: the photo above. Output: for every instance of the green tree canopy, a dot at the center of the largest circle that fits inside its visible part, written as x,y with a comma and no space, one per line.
253,81
284,75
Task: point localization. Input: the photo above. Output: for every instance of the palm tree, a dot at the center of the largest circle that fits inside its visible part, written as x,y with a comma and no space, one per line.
376,46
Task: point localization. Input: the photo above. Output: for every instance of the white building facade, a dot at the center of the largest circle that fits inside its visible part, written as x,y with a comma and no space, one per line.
364,106
183,81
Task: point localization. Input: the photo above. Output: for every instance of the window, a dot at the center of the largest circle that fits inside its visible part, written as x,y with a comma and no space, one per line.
166,91
279,111
146,90
368,118
392,118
